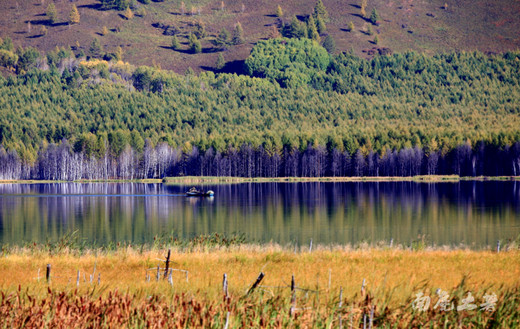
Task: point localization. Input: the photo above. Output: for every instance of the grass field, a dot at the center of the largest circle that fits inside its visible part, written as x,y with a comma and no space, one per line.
128,294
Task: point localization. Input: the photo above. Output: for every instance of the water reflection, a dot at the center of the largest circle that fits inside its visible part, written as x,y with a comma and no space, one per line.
473,213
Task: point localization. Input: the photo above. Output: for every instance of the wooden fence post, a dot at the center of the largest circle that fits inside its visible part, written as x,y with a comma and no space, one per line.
48,274
257,282
225,286
167,264
293,296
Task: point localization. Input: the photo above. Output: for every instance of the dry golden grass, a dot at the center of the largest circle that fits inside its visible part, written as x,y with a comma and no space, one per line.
401,271
124,298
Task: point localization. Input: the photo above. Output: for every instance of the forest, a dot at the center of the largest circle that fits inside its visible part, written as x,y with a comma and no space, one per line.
298,111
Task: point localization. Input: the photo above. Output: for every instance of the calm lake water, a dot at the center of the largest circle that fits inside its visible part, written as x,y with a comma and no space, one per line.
473,213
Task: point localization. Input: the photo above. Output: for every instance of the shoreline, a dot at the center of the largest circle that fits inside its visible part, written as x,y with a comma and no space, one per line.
184,180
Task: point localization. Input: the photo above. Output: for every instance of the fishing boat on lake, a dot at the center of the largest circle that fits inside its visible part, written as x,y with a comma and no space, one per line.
193,192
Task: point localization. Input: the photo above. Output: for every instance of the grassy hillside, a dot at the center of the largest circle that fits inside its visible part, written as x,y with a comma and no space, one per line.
425,26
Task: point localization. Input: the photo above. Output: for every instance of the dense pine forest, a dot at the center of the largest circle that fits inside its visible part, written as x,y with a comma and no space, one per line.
297,111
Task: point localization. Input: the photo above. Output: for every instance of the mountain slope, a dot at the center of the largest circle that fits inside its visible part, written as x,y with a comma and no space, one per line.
425,26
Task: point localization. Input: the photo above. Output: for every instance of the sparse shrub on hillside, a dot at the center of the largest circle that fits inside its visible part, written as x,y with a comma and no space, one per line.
115,4
43,30
141,12
369,30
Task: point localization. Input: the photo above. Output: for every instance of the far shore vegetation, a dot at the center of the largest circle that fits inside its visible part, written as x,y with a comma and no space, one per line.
183,180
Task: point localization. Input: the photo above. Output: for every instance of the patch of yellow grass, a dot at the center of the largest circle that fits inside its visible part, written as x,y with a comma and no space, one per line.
398,271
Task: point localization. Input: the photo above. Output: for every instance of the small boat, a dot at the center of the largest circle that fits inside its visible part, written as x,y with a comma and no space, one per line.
194,192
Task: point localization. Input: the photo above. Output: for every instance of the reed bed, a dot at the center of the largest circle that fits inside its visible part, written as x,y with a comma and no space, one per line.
333,287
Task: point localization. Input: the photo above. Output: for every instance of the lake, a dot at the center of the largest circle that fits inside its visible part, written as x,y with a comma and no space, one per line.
473,213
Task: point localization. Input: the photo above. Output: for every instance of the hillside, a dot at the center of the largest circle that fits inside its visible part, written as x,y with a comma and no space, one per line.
424,26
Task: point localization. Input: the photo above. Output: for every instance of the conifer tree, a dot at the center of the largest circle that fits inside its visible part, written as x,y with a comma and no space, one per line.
223,39
119,53
96,49
364,8
329,44
351,26
295,29
128,13
104,31
194,44
238,34
200,29
279,12
320,25
51,13
273,32
320,11
374,17
220,62
312,31
74,17
175,43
